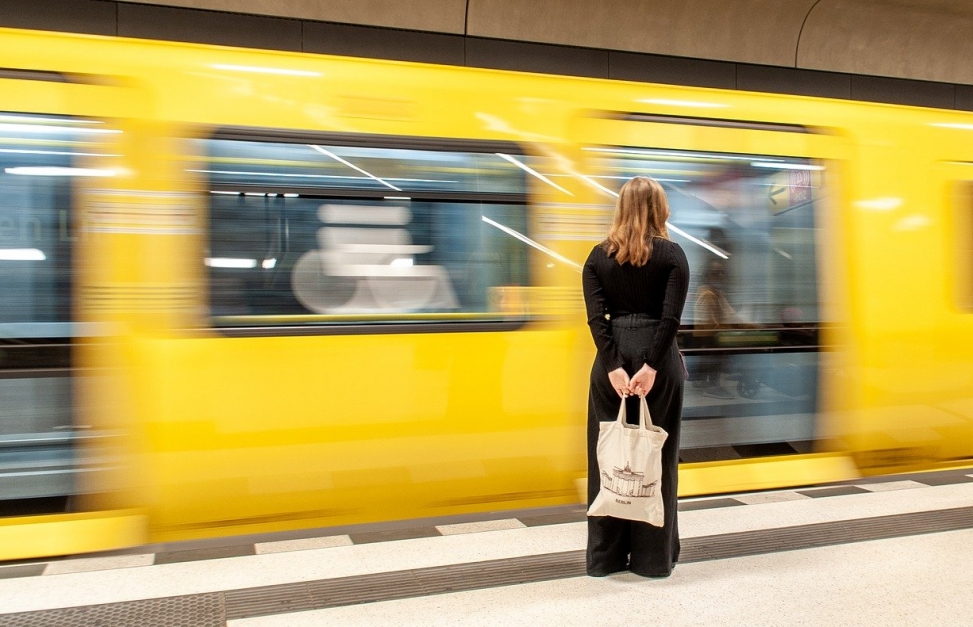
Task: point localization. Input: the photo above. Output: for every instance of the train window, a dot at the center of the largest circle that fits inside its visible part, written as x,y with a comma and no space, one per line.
747,223
747,217
40,156
318,233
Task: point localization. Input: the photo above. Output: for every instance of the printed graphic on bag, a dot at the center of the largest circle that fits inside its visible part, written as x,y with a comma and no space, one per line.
625,482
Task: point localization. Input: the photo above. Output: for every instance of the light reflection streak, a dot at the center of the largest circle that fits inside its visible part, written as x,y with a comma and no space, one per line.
264,70
786,166
57,171
684,103
956,125
230,262
44,128
719,252
533,172
353,166
59,153
314,176
879,204
36,120
590,181
22,254
520,236
669,155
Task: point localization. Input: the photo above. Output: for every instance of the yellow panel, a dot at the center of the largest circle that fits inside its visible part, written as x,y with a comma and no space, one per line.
70,534
64,98
764,473
685,135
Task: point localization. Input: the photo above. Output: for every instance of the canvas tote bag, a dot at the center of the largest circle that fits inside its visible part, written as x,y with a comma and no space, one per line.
630,462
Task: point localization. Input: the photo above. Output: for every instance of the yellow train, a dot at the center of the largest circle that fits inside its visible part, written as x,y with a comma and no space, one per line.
246,291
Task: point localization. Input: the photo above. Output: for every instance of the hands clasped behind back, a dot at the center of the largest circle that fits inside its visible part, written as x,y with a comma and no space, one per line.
640,384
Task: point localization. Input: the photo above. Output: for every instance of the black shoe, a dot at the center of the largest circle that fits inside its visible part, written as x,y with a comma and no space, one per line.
604,573
653,575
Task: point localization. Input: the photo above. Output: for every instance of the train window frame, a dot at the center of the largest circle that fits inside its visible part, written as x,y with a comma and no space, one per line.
312,324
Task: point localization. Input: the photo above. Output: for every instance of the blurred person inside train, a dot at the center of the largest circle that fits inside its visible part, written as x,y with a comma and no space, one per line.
712,312
635,285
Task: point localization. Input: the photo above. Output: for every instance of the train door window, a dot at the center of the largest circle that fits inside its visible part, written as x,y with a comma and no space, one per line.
40,156
748,225
328,232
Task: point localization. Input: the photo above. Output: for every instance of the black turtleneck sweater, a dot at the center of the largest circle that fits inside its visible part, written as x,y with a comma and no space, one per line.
657,289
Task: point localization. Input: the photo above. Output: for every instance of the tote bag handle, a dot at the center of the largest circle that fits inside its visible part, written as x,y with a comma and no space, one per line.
645,419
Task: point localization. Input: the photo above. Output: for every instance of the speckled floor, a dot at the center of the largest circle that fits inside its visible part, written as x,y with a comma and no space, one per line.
918,580
923,579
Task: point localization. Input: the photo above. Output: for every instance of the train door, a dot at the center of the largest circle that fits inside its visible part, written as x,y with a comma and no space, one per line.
948,388
55,133
749,203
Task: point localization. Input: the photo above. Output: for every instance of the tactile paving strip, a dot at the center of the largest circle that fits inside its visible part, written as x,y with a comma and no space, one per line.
427,581
825,534
402,584
197,610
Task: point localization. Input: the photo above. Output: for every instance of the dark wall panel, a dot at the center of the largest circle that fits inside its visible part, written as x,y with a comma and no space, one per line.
793,81
964,97
527,57
383,43
900,91
210,27
652,68
93,17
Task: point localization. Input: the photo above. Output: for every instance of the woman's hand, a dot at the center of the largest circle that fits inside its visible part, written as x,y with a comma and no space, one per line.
643,381
619,380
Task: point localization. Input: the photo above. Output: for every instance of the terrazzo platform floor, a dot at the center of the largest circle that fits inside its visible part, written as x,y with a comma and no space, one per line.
923,579
918,580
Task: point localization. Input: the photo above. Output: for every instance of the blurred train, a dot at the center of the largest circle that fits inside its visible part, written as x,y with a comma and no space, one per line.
246,291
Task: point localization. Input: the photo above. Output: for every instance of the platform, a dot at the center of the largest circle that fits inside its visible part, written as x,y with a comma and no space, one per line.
886,551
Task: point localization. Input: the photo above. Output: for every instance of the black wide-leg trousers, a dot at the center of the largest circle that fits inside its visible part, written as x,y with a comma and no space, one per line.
615,544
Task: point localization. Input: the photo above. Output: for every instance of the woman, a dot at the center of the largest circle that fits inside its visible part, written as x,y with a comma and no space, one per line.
635,285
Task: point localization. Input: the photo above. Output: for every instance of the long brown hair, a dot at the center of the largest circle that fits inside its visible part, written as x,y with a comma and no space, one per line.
640,215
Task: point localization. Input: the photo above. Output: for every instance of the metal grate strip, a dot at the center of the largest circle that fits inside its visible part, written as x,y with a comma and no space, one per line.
195,610
443,579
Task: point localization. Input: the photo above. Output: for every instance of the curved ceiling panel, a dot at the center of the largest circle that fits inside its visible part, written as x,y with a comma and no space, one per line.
749,31
921,39
443,16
